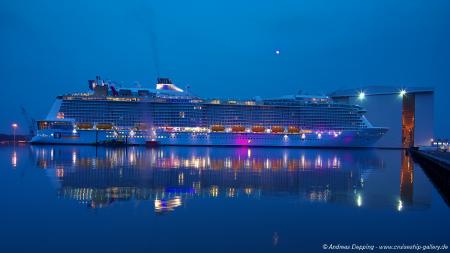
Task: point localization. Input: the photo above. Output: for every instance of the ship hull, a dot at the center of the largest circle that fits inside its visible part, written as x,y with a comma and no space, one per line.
358,138
91,137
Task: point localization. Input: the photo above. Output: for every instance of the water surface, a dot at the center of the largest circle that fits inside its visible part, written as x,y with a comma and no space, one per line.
195,199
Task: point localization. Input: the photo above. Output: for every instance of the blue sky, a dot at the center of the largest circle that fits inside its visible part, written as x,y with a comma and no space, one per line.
221,48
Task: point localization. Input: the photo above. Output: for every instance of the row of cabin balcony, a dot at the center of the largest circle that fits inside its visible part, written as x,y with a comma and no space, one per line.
129,95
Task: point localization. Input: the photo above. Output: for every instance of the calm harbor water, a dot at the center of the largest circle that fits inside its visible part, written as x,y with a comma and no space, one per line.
195,199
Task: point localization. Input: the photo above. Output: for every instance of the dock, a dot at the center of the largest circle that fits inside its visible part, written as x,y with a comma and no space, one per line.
436,165
439,158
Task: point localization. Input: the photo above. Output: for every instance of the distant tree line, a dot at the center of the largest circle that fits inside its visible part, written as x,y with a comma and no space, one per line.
10,137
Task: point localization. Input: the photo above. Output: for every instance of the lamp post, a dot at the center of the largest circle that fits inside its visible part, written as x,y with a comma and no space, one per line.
14,126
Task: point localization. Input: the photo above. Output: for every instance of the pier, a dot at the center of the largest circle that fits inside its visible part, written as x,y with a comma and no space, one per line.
439,158
436,164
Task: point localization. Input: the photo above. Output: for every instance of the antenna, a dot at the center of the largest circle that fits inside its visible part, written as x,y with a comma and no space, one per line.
150,32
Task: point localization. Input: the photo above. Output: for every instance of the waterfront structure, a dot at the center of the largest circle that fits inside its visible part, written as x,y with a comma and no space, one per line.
407,112
169,115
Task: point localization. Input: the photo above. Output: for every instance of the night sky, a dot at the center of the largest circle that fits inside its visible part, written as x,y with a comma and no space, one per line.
221,48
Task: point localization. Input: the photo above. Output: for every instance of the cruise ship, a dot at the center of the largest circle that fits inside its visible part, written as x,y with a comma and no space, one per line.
169,115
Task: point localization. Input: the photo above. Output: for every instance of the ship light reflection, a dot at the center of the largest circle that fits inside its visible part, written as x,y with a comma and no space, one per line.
167,205
318,162
400,205
228,163
214,191
359,200
231,192
197,186
230,174
59,172
181,179
303,162
74,157
336,162
267,164
14,159
257,164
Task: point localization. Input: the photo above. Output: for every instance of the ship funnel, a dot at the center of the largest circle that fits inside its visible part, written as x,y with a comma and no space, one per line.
163,80
166,84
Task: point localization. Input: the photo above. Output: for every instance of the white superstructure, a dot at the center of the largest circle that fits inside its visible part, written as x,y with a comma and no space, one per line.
169,115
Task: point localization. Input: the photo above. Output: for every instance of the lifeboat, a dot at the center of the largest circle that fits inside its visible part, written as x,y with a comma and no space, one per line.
238,129
258,129
104,126
277,129
84,125
217,128
293,130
